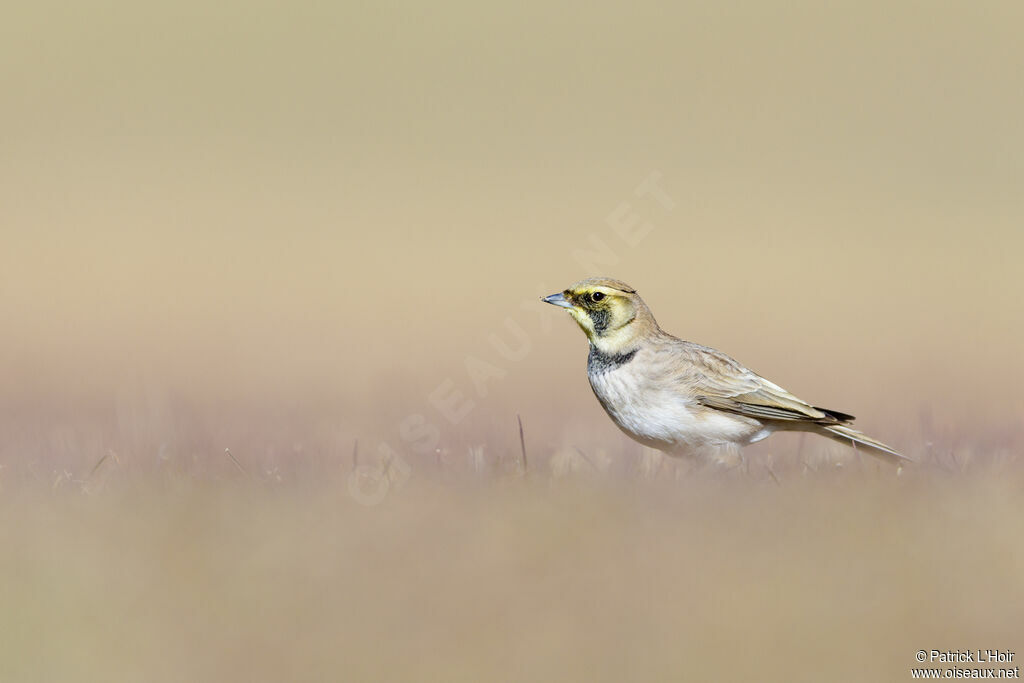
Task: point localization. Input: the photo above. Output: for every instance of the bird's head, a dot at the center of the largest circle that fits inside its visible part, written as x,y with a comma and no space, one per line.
609,312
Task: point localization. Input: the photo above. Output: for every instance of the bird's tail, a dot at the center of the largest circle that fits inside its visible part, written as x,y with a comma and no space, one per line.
851,437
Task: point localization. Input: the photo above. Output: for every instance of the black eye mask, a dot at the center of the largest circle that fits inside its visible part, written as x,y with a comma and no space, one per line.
599,316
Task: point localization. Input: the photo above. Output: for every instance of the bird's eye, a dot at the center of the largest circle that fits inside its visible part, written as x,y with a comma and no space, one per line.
597,296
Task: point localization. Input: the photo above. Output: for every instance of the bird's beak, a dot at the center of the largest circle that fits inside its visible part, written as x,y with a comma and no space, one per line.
558,300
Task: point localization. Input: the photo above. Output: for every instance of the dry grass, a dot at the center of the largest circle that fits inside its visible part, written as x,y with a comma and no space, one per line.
168,566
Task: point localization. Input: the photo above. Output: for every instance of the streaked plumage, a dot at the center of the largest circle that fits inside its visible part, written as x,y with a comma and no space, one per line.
682,397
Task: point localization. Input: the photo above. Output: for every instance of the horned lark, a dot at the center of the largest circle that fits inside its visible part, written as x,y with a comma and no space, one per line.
681,397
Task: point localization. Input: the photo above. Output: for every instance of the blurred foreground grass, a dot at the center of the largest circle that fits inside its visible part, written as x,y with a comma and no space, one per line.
829,573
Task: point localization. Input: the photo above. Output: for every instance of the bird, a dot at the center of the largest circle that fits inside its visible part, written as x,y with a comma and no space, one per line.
681,397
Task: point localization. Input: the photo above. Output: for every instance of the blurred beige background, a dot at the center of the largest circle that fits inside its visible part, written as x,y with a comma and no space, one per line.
279,228
344,200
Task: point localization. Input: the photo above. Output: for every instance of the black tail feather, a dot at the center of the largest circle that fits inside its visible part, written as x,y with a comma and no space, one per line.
841,417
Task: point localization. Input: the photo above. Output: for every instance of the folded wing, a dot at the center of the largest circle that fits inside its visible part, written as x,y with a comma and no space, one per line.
721,383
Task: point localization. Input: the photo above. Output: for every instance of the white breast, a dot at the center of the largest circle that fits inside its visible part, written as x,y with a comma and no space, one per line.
658,415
